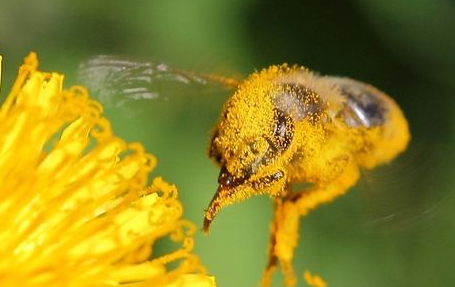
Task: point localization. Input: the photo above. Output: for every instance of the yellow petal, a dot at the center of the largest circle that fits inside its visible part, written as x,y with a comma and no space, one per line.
74,204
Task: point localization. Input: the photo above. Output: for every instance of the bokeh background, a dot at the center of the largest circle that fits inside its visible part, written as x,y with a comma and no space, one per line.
396,228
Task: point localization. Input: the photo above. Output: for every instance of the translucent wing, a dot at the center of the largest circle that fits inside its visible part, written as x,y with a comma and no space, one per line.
116,80
412,189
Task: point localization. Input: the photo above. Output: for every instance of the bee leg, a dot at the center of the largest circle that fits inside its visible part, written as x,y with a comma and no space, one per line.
283,240
289,210
273,259
308,200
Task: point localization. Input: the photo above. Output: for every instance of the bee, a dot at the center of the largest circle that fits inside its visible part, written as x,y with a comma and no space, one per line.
283,126
287,125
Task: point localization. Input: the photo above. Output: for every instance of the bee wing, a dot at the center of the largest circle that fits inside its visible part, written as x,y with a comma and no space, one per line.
116,80
410,190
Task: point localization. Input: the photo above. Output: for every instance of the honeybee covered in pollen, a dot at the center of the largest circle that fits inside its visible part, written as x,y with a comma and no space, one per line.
282,126
286,125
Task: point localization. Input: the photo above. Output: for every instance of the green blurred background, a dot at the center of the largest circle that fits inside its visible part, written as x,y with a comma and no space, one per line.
396,228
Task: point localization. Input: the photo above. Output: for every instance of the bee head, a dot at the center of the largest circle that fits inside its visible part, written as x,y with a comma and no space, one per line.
250,142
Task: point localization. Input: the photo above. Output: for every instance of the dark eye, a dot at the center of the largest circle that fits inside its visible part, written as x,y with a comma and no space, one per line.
283,130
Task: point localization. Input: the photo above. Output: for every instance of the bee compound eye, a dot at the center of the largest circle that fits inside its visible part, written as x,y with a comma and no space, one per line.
283,130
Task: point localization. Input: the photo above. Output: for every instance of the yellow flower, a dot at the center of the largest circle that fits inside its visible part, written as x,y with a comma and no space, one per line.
74,206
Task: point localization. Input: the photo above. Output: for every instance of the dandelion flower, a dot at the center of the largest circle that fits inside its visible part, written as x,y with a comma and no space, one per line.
74,202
